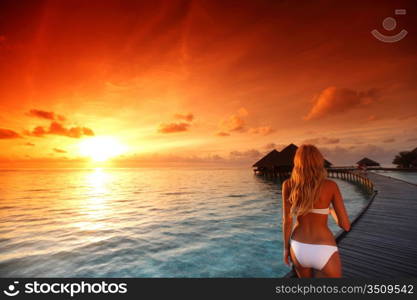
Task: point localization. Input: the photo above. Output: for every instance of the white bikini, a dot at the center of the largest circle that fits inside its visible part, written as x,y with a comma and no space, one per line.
313,255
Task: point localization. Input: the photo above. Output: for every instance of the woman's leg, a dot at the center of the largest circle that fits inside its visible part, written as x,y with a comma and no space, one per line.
333,267
301,271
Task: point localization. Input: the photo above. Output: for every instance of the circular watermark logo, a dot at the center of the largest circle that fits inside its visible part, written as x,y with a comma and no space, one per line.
390,24
12,290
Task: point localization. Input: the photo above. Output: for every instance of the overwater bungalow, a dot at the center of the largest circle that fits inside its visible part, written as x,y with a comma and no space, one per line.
279,164
267,162
368,162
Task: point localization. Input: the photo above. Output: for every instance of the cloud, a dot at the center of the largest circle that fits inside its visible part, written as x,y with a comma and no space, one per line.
237,123
177,127
252,153
8,134
88,131
173,127
56,128
153,159
29,144
263,130
333,100
389,140
59,150
270,146
246,157
38,131
48,115
242,112
322,140
73,132
186,117
222,133
233,123
348,156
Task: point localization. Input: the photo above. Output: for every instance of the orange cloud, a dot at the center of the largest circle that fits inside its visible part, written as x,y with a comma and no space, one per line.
389,140
263,130
270,146
335,100
243,112
8,134
74,132
48,115
252,153
233,123
38,131
322,140
59,150
173,127
88,131
221,133
186,117
29,144
56,128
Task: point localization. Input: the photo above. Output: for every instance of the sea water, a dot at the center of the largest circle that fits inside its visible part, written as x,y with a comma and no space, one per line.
144,222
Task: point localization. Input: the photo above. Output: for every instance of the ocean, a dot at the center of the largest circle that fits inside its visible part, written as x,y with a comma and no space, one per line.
144,222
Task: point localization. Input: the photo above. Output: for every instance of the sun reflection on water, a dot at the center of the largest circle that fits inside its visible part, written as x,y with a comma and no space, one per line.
95,209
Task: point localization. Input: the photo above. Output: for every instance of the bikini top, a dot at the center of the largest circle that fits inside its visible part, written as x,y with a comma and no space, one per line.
323,211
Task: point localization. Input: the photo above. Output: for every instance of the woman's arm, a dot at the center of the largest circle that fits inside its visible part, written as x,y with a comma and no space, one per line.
339,211
286,220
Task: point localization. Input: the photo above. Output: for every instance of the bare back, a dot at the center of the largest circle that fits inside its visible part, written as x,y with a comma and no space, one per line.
312,228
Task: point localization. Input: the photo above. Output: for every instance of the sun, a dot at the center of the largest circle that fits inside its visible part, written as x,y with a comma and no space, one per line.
101,148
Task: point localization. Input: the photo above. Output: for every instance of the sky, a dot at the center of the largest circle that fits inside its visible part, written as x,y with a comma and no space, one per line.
155,83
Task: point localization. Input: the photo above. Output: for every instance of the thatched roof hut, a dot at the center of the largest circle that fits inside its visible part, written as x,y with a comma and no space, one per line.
367,162
283,160
268,161
286,156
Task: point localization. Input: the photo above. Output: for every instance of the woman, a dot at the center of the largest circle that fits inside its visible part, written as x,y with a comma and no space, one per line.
307,195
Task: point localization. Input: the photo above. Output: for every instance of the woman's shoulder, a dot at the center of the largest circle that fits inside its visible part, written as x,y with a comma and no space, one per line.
330,183
286,182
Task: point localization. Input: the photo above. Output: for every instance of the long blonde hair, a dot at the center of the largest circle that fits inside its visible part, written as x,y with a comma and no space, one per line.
306,178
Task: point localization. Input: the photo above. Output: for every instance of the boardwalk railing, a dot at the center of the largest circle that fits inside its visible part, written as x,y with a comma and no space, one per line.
347,174
352,176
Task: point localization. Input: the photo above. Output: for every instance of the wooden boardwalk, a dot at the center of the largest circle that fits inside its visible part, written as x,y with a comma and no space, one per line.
382,242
